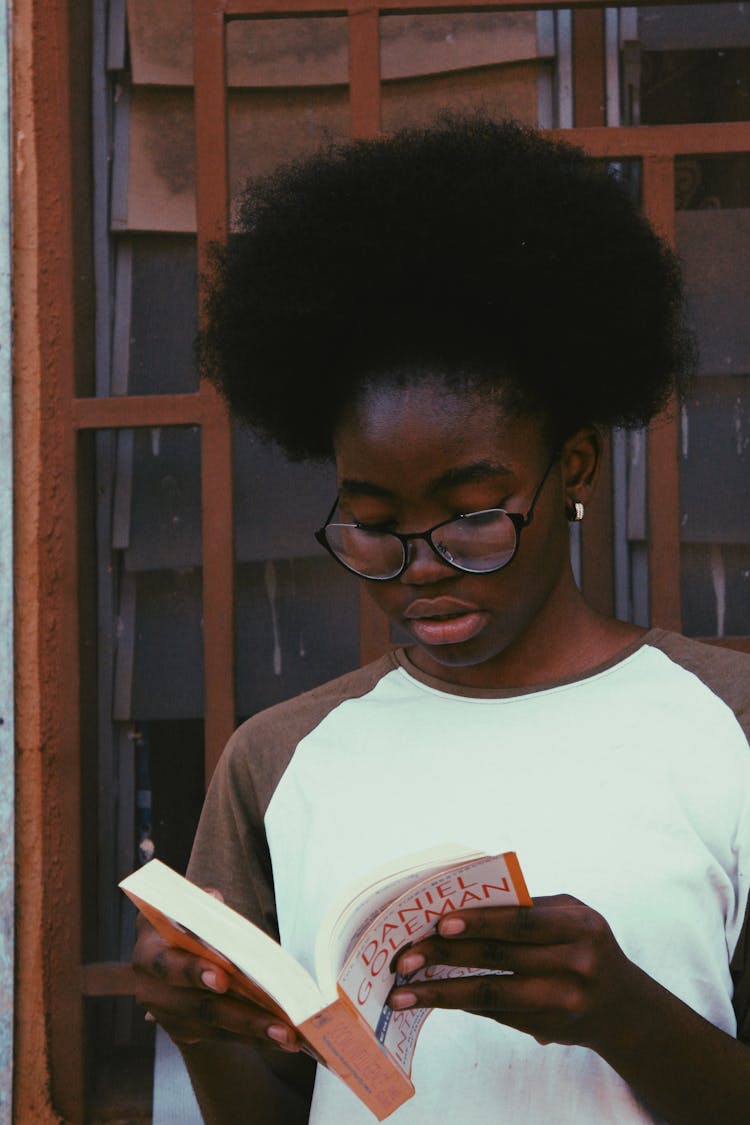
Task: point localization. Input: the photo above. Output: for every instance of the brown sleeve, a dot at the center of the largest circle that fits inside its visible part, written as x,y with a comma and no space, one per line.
727,674
724,671
230,851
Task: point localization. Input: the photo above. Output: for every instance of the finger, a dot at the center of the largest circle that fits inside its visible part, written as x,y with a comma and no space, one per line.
551,921
485,994
504,956
152,957
201,1015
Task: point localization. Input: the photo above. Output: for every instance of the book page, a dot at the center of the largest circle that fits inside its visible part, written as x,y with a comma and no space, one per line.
174,905
361,902
367,976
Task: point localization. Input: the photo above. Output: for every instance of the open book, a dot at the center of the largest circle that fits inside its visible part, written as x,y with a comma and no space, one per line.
341,1015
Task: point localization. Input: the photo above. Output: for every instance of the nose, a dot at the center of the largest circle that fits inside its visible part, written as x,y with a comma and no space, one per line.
424,565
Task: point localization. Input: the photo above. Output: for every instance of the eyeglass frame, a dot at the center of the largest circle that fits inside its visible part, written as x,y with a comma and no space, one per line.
519,523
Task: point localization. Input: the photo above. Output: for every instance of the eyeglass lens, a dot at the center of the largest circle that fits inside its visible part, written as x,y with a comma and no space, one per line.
480,542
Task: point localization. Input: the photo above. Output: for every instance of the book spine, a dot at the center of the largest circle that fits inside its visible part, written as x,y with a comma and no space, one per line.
347,1046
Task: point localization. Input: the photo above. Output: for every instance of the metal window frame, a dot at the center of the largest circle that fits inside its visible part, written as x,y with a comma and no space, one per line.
655,146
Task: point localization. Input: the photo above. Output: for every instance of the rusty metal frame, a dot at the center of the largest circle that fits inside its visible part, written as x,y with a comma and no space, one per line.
655,146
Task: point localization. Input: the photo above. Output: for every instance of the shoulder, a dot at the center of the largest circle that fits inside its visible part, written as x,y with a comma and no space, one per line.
260,750
725,672
292,719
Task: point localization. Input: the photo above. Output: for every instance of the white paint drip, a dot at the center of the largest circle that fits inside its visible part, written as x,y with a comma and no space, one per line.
269,575
636,448
719,583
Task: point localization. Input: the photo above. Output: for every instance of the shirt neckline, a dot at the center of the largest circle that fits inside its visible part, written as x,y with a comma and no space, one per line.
403,662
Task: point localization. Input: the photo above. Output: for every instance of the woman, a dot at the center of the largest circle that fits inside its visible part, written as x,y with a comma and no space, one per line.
454,315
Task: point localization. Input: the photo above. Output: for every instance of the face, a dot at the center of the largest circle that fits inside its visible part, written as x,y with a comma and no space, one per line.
408,458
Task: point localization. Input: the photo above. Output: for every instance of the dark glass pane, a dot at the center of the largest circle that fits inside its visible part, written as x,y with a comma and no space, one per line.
713,241
297,627
704,183
297,621
158,497
714,247
164,323
716,590
167,672
715,462
694,63
148,754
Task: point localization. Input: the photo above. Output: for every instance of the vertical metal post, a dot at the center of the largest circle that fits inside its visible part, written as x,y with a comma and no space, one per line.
364,71
665,593
589,108
7,756
217,506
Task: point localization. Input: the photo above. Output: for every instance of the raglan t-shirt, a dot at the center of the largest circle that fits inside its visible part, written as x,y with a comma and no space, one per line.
628,788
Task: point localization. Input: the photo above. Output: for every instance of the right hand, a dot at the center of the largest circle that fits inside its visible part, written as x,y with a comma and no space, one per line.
189,997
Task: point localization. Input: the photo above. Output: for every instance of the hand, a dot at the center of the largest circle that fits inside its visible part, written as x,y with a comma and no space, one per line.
189,997
569,975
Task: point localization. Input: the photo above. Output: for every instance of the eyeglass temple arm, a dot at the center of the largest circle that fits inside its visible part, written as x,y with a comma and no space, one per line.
329,517
530,514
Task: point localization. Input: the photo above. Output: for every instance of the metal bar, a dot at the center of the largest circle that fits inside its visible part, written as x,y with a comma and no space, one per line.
597,541
365,109
612,67
137,410
212,199
564,68
218,581
108,978
663,487
589,109
659,140
589,87
364,71
236,9
112,295
7,706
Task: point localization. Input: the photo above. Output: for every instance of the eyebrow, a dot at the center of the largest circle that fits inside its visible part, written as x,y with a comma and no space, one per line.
475,473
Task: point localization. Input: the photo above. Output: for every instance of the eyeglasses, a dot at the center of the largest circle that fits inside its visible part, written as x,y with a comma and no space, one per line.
477,543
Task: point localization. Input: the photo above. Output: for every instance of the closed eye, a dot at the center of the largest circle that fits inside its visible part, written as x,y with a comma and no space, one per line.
382,527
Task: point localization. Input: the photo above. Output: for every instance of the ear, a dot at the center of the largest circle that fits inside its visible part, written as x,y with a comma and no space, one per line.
580,461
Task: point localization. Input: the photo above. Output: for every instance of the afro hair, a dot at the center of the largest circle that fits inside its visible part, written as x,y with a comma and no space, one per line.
474,249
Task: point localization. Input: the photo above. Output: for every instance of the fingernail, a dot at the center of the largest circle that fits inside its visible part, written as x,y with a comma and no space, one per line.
279,1035
401,999
452,926
209,980
410,962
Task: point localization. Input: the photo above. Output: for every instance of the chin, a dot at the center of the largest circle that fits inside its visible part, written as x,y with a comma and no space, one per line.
463,655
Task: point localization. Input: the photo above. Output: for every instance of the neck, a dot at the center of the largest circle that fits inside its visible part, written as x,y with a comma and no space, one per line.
567,639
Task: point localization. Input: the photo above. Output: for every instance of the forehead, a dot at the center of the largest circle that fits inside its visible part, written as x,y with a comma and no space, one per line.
423,430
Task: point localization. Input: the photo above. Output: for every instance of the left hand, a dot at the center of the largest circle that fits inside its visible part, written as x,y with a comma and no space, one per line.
569,979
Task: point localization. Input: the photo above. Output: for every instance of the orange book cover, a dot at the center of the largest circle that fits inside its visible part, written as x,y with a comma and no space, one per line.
342,1014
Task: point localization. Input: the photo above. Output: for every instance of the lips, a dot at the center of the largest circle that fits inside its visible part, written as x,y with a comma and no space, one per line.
443,621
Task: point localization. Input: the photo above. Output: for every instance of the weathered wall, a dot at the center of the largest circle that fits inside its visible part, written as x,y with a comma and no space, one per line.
31,264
